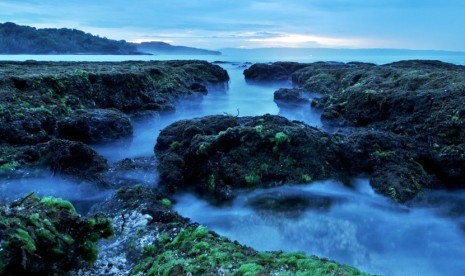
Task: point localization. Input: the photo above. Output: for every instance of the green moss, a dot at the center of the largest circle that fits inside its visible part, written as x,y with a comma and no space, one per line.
281,137
58,203
89,251
306,178
164,238
27,243
202,148
165,202
223,132
393,193
198,251
200,247
175,145
211,183
250,269
252,179
11,166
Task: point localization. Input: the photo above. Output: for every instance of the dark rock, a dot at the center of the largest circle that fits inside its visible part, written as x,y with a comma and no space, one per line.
415,101
84,101
290,95
217,154
132,171
148,231
47,237
32,102
290,203
278,71
72,158
94,125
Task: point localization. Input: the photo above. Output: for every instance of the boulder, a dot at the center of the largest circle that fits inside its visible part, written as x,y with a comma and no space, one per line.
72,158
215,155
94,125
45,236
278,71
290,96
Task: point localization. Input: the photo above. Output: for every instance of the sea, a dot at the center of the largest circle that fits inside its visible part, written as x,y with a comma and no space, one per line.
350,224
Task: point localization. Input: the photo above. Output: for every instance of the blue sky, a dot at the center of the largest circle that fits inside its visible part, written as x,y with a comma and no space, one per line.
215,24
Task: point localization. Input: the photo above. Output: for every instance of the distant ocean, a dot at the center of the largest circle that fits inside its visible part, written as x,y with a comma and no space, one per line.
377,56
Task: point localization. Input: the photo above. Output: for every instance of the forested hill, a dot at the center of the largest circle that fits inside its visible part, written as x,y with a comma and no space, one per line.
16,39
162,48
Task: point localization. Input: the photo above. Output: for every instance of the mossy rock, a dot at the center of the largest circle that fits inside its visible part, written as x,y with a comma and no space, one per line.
46,236
217,154
198,251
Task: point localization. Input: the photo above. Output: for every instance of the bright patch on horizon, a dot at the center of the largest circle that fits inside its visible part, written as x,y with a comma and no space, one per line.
298,40
141,40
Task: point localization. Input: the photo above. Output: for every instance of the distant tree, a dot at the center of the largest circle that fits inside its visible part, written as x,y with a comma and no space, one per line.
15,39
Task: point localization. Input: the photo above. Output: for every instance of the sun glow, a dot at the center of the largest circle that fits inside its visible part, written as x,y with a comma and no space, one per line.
298,40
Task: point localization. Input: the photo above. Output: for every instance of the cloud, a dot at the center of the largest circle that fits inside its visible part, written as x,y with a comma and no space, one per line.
224,23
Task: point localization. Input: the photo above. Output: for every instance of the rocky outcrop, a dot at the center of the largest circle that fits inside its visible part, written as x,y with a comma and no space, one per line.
217,154
94,125
152,239
70,158
87,101
419,101
278,71
286,96
46,236
32,103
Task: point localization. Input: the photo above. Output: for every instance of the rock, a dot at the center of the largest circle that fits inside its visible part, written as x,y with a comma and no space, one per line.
47,237
290,95
151,238
85,101
278,71
94,125
419,100
132,171
216,154
72,158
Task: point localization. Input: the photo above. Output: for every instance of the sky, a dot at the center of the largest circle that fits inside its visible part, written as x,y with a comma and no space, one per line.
216,24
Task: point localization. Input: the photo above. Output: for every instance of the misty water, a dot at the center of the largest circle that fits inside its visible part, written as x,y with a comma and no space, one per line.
352,225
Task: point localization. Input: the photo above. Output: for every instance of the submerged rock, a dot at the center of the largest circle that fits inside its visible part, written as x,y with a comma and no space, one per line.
216,154
94,125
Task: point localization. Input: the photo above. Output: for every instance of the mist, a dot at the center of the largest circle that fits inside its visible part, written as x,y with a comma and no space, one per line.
352,225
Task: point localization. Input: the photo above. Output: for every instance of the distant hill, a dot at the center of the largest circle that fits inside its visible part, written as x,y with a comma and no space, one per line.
157,47
16,39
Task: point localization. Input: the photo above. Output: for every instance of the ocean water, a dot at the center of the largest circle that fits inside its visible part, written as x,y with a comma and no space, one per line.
352,225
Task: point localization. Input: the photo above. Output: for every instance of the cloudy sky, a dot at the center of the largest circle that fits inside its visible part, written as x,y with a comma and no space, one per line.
215,24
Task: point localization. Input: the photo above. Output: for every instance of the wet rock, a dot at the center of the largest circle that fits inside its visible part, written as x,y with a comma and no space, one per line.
418,100
132,171
278,71
290,95
32,102
85,101
290,203
72,158
150,238
46,237
216,154
94,125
